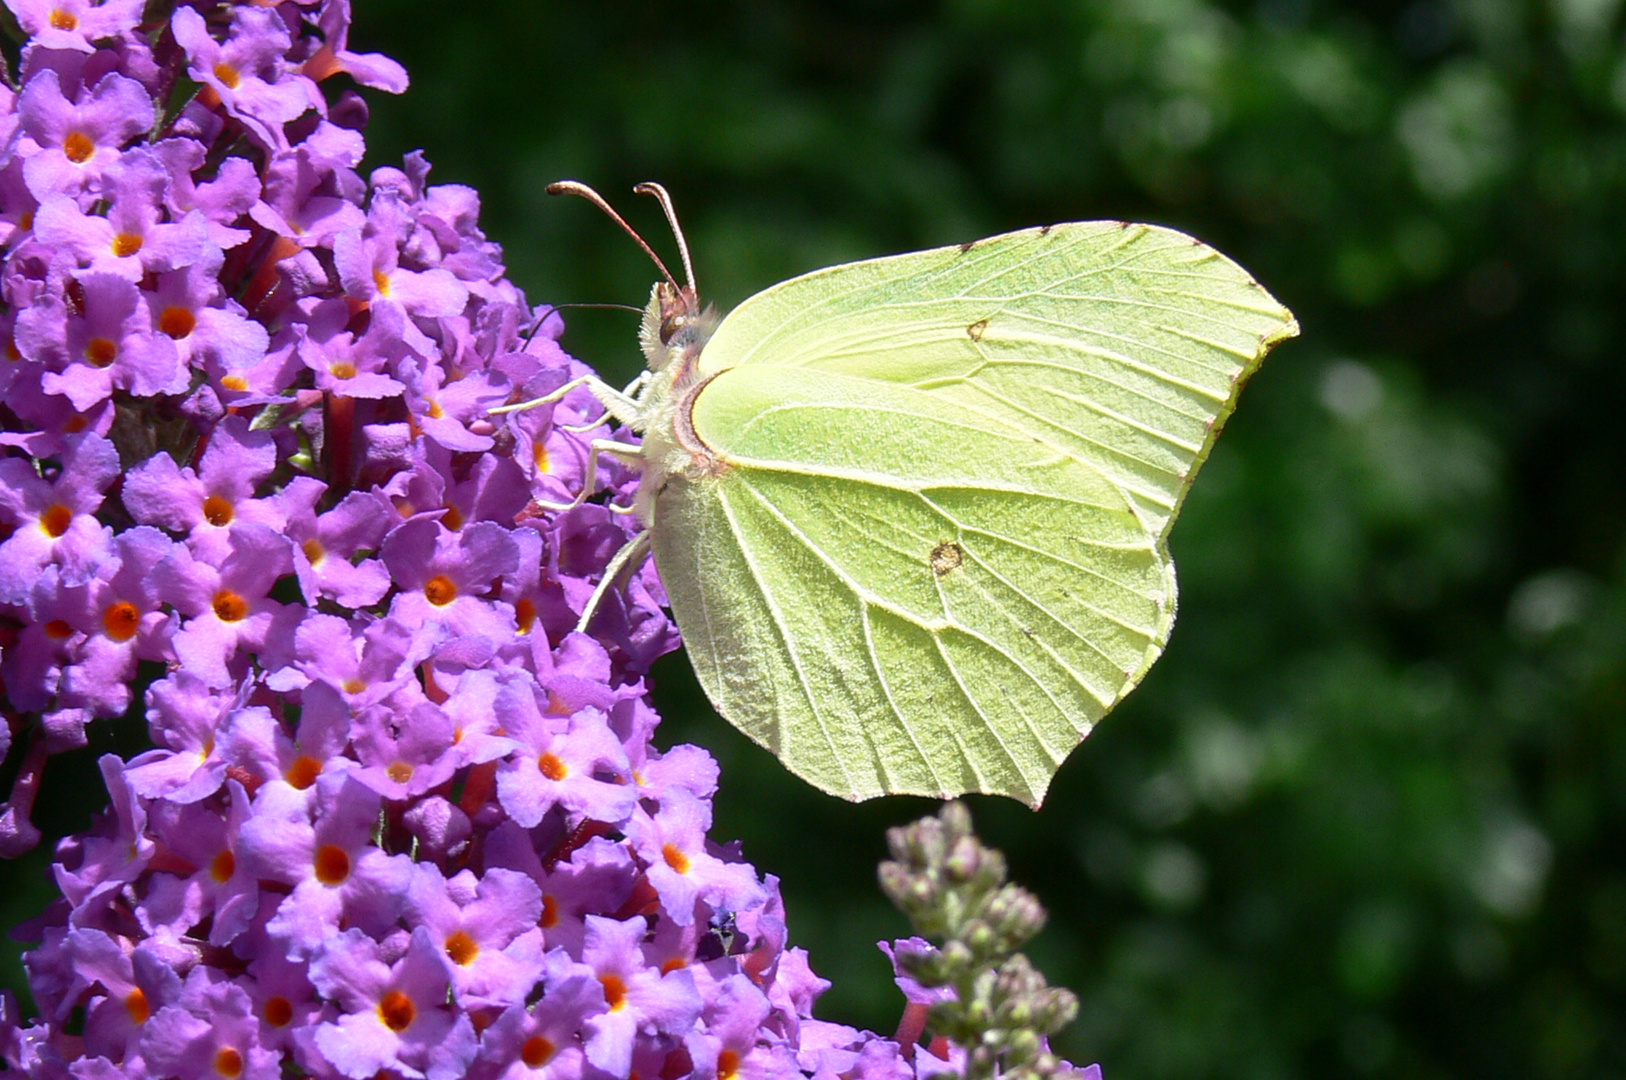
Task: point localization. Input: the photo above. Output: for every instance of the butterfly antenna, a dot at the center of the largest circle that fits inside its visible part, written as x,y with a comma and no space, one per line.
573,187
553,308
649,187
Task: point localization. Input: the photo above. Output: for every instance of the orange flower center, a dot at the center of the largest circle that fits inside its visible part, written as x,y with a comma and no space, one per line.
441,590
121,621
135,1003
101,352
675,858
302,773
229,607
63,20
452,519
525,614
382,281
177,322
332,866
78,148
615,991
342,369
223,866
228,1063
354,686
539,453
397,1011
58,629
550,913
234,382
218,511
536,1051
728,1064
126,244
279,1011
55,520
399,771
462,948
552,767
228,75
314,551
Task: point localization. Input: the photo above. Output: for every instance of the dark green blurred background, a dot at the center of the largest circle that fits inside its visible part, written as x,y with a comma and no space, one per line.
1368,815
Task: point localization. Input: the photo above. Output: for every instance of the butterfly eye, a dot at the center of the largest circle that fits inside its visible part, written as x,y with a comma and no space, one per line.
672,325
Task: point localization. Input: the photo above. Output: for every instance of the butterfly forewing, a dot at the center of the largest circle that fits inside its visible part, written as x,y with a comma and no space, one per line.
1121,345
897,593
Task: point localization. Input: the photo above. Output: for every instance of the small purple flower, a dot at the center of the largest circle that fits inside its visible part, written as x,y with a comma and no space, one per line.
368,69
124,986
345,363
543,1042
486,927
369,268
228,609
247,73
639,1001
210,330
187,717
77,142
223,200
443,576
208,502
210,1032
575,763
366,667
327,546
111,346
53,521
220,887
597,879
395,1015
132,240
284,999
261,749
320,843
298,201
75,24
123,621
681,868
729,1045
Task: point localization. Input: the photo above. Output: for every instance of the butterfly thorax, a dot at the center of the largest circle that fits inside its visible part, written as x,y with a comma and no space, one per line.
675,330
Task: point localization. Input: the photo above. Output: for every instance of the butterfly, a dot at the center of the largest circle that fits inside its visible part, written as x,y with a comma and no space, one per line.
912,512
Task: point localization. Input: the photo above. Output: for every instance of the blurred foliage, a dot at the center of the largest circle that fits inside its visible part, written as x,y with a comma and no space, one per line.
1369,813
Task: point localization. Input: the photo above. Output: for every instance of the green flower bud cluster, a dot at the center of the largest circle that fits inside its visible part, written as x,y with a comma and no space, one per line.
953,890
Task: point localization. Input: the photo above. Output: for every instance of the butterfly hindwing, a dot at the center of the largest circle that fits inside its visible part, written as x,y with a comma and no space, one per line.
897,593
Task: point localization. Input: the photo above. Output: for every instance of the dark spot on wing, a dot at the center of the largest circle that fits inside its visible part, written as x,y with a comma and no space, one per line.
945,557
967,246
976,329
1044,230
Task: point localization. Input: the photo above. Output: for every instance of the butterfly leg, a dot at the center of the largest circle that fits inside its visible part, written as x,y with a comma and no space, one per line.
626,453
626,561
617,404
630,392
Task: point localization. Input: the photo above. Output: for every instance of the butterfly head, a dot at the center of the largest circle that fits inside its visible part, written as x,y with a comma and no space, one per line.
675,329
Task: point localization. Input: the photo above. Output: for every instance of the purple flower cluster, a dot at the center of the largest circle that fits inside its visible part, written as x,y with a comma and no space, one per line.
401,820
